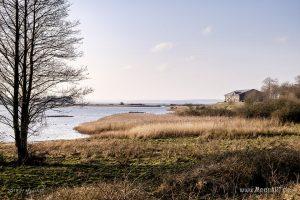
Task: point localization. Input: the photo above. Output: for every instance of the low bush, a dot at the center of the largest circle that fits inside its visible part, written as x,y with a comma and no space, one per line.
205,111
290,113
257,110
280,109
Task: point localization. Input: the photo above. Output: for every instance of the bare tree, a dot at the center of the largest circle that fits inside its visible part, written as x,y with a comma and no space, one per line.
297,87
297,80
37,41
271,88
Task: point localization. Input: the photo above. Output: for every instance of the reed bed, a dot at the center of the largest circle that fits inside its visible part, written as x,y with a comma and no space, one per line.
162,126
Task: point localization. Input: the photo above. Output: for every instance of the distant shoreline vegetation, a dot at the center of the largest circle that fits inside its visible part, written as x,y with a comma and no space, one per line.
117,105
153,103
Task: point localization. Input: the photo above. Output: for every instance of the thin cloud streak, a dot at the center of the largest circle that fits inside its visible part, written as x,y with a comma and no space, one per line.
164,46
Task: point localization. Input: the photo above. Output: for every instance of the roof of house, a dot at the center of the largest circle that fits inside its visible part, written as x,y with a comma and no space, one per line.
240,92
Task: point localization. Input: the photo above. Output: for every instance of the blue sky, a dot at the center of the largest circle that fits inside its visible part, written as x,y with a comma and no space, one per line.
186,49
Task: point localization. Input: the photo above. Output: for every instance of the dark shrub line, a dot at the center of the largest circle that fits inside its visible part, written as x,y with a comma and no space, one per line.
283,110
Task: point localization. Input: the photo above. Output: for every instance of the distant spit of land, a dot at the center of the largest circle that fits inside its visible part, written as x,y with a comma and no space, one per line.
151,103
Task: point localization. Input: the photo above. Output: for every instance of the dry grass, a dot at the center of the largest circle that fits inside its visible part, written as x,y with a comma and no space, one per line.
176,168
126,191
105,166
162,126
230,172
292,192
123,190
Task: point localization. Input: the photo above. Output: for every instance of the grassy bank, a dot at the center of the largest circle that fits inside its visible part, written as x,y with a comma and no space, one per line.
164,126
133,166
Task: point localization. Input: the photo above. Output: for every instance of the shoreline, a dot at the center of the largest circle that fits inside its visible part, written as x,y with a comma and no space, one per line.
123,106
69,134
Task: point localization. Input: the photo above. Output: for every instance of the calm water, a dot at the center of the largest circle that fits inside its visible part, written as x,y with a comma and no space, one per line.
62,128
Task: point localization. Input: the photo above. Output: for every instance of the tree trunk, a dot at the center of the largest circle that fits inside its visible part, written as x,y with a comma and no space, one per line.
16,86
22,151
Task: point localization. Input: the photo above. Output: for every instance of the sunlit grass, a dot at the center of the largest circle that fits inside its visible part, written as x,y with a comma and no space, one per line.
162,126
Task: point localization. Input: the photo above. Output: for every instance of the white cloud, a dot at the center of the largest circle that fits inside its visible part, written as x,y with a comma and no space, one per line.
164,46
207,30
191,58
281,40
127,67
163,67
